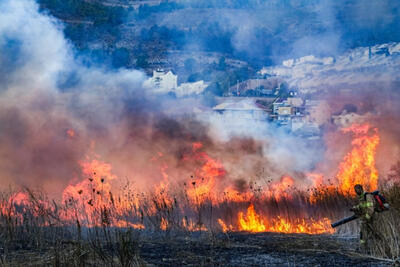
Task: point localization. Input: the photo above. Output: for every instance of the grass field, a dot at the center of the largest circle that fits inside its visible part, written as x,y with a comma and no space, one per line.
116,231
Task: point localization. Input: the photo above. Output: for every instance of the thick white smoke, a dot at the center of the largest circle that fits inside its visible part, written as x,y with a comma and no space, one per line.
56,112
36,113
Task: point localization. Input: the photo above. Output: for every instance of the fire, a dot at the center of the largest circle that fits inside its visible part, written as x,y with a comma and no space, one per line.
124,224
317,179
95,188
282,188
358,166
320,189
203,184
191,226
301,226
164,224
20,198
91,201
252,222
225,228
8,208
71,133
232,195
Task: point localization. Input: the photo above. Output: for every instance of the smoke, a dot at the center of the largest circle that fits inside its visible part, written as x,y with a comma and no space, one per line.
265,32
282,152
56,112
36,112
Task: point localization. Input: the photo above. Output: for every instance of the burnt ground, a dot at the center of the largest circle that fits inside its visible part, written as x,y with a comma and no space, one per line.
266,249
205,249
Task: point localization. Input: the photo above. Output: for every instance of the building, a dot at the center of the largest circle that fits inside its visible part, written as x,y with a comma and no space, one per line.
285,110
295,102
346,119
165,82
242,109
187,89
282,107
162,81
255,87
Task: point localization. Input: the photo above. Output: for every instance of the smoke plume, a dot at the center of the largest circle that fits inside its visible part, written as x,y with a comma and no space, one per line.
56,112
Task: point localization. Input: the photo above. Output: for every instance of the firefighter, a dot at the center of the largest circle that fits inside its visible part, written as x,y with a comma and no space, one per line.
365,210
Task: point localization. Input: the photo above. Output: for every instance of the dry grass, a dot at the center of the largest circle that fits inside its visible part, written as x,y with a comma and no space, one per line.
69,235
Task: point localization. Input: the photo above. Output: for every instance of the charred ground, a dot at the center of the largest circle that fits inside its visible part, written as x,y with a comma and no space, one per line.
204,249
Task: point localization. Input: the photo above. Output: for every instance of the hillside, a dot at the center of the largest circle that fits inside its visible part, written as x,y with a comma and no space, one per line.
367,66
211,40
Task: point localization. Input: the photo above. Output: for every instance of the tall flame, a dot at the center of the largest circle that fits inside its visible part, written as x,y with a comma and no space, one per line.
358,166
202,186
252,222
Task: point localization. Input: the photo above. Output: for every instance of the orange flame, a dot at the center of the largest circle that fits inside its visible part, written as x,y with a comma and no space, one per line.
301,226
71,133
192,226
202,186
164,224
254,222
225,228
281,189
91,201
358,166
91,198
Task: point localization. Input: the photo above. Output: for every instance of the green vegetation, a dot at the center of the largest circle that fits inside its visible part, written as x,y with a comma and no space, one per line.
82,10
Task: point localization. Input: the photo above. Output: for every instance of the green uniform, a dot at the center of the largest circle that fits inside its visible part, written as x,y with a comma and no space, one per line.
365,209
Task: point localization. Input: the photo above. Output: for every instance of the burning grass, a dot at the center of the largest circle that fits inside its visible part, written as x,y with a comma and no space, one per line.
102,222
28,219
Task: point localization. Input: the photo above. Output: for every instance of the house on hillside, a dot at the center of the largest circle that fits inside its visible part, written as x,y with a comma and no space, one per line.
345,119
255,87
242,109
187,89
166,82
162,81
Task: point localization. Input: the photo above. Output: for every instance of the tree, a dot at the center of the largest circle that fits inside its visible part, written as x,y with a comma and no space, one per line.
120,57
194,77
215,88
221,64
190,64
141,61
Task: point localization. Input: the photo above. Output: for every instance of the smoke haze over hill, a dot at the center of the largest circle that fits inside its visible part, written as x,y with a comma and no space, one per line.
58,110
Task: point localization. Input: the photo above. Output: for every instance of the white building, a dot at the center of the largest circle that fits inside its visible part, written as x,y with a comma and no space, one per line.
186,89
166,82
162,82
